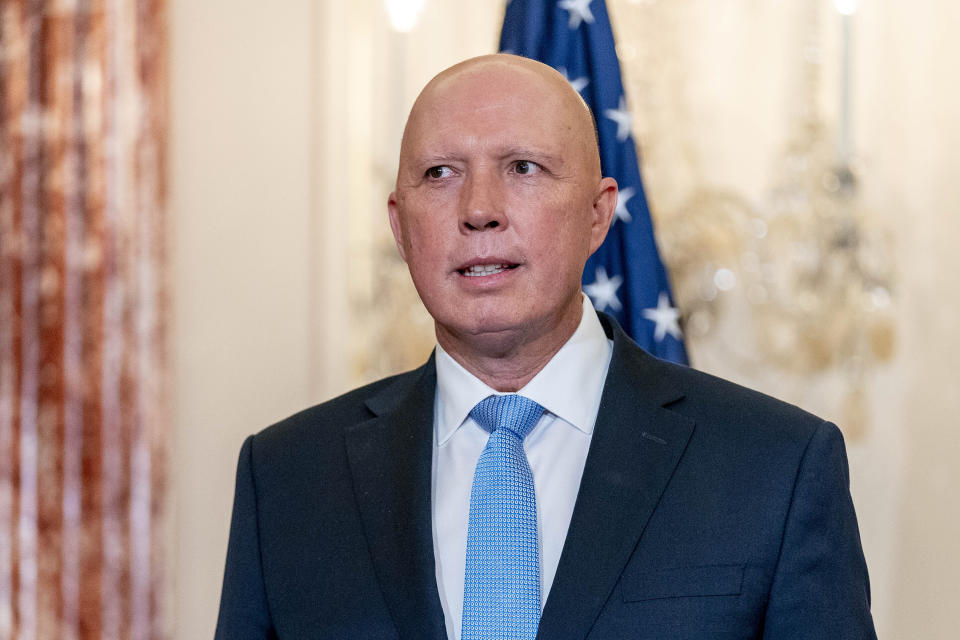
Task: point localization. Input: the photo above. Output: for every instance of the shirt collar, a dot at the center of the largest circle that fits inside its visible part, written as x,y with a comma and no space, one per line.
569,386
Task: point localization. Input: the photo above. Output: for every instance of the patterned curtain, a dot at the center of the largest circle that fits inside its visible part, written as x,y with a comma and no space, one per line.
82,363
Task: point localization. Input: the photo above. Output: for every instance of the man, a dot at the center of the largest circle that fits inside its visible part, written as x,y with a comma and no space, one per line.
612,496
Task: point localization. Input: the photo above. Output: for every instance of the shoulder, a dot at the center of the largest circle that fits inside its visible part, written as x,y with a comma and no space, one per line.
322,426
708,395
726,416
743,424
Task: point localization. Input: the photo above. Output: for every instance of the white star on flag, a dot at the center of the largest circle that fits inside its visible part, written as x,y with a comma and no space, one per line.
579,11
623,119
578,84
603,290
623,197
665,317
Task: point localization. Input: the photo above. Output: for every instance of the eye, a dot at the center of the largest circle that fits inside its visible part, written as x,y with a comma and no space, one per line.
438,172
525,167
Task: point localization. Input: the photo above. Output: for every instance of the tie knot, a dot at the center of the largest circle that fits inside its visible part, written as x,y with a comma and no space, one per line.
511,412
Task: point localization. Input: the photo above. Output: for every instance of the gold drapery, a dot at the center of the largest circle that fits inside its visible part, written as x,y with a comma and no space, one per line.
82,125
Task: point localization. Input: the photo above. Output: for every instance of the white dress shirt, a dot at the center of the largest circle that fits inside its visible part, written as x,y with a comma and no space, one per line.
569,388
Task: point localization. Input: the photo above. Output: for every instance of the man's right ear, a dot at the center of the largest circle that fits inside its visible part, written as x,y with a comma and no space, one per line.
395,225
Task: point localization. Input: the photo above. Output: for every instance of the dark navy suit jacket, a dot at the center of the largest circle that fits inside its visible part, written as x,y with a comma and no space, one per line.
705,511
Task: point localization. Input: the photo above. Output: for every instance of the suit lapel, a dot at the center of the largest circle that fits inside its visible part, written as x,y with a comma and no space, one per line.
391,462
636,446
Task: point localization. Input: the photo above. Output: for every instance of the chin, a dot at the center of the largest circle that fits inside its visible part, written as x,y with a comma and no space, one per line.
495,324
487,325
475,325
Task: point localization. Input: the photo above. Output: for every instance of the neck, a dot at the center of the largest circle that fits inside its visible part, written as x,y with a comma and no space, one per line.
509,360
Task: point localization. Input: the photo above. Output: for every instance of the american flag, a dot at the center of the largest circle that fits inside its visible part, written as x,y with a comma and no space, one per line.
625,277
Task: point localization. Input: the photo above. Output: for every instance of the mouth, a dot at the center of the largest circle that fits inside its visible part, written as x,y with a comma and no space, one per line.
479,270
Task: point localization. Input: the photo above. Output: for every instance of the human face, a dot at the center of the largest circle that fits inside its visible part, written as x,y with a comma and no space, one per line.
499,203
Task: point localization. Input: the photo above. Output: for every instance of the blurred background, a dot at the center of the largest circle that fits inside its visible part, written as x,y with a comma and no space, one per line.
194,245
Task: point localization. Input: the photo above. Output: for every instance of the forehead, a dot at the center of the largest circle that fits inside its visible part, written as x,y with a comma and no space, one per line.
492,107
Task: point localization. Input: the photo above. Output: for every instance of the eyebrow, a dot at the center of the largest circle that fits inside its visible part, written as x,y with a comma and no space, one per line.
519,153
525,153
437,159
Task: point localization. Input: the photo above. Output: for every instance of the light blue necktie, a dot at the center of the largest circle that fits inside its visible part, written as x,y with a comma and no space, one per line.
501,595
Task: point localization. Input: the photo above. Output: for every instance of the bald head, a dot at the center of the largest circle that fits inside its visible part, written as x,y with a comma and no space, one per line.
474,85
499,202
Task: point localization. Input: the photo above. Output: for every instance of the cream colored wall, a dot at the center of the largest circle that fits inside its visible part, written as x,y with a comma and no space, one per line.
286,119
914,143
242,226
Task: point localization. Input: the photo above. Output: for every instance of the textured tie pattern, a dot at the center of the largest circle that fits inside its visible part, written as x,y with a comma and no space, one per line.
501,599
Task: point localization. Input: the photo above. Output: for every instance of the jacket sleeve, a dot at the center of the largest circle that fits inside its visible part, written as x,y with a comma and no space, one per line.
820,588
244,612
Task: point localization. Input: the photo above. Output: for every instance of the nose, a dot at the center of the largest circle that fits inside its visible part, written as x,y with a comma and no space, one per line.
482,203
